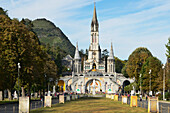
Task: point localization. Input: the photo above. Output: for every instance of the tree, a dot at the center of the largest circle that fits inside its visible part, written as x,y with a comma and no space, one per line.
168,48
167,67
153,64
119,64
105,53
3,12
135,62
124,71
18,44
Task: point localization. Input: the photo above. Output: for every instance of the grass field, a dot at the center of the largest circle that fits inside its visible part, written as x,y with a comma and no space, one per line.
91,105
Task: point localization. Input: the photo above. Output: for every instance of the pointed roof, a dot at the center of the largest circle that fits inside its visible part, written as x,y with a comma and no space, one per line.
111,56
77,56
68,57
94,20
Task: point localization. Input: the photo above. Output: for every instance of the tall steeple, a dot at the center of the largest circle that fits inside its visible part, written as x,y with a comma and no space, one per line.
111,56
77,56
94,23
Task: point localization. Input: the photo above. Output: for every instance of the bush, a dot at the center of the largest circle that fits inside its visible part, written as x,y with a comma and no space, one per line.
167,95
160,96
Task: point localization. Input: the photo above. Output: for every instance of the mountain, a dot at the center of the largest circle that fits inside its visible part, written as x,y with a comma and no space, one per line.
48,33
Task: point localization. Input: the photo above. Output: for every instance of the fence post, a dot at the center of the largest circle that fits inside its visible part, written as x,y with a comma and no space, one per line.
5,109
31,106
161,108
168,109
13,109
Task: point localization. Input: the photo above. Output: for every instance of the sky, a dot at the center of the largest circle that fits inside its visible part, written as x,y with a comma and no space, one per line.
128,24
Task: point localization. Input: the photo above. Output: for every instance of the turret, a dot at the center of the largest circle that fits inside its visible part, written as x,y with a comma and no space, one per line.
77,61
111,56
111,61
77,56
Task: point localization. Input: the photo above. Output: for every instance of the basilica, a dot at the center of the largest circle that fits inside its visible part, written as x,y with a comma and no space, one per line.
97,75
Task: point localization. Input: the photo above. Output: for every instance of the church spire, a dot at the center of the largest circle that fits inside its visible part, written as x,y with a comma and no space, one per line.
94,23
94,20
111,56
77,56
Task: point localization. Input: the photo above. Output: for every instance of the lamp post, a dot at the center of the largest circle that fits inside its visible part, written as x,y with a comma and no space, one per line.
140,84
45,82
163,67
18,78
150,82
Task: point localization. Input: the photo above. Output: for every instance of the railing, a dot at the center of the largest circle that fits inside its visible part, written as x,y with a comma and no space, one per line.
14,108
163,107
9,109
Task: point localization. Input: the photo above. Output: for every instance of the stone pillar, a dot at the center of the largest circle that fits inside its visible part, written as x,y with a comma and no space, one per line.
35,95
9,95
75,88
15,95
23,93
0,95
48,101
94,84
54,90
61,99
83,90
24,105
104,88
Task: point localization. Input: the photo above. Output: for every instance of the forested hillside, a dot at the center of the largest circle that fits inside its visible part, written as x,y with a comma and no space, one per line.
48,33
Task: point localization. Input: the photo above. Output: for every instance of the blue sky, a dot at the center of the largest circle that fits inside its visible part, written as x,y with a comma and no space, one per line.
127,23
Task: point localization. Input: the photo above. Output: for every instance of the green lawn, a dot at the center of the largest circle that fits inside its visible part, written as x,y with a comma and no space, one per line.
91,105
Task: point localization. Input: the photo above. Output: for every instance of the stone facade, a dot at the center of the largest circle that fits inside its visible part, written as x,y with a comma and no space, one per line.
97,75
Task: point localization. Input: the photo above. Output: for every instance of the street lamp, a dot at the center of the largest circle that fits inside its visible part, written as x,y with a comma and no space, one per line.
163,67
140,84
18,78
150,93
45,82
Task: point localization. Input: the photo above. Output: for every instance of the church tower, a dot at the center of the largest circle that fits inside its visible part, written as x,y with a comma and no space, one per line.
77,61
94,49
111,61
94,61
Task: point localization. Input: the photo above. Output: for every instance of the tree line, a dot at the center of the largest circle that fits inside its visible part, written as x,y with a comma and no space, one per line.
19,44
147,70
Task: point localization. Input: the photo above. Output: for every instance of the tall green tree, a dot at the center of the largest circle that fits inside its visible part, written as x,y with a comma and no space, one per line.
167,67
135,62
3,12
155,65
119,64
168,48
18,44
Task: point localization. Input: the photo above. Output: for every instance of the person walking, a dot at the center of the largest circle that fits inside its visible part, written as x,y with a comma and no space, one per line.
140,97
146,97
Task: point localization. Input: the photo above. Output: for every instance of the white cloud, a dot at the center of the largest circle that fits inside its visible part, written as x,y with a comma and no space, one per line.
141,23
